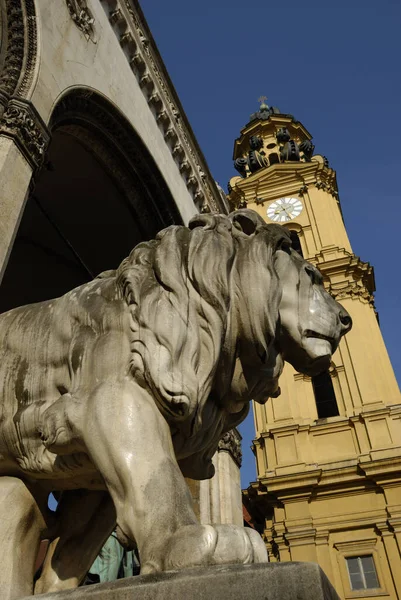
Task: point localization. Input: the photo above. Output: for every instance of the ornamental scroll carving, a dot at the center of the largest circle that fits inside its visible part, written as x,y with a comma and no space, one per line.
353,290
21,122
145,63
82,17
18,117
231,442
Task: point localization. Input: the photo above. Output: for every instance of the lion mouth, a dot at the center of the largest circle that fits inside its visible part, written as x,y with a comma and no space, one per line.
309,333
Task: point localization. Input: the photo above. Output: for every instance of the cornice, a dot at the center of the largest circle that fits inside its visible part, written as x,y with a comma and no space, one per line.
347,480
293,485
282,179
346,275
130,27
384,470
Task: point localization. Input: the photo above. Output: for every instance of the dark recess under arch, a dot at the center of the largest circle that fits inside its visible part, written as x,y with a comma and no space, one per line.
98,195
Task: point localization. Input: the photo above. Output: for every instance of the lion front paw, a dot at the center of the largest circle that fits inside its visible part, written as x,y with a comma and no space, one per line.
201,545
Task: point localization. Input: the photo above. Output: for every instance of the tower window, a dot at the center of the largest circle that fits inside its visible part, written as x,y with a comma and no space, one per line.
296,243
362,573
274,158
325,397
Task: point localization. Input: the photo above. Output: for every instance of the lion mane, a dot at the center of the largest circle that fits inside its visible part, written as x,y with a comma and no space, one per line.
189,296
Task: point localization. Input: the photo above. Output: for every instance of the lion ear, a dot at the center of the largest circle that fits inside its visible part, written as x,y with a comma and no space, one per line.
246,220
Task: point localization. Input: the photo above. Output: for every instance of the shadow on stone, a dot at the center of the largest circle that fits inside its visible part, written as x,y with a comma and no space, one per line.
274,581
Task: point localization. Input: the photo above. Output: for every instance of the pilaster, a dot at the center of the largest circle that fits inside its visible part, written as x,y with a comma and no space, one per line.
13,194
392,553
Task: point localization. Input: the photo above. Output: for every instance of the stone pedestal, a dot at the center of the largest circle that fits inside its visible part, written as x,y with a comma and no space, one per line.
274,581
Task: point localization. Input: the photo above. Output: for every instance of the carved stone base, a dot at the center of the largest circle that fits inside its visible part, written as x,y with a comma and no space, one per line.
276,581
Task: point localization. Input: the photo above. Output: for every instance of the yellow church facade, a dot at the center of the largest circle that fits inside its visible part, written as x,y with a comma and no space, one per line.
328,449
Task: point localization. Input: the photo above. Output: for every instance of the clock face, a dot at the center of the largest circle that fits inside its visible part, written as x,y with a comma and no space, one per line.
284,209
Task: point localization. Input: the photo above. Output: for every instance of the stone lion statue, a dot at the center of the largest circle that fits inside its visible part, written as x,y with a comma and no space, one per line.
114,392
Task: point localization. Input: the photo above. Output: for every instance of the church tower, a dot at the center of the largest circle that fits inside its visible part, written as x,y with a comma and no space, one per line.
328,449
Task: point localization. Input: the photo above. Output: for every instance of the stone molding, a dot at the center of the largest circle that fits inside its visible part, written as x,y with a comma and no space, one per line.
231,442
14,53
82,17
19,57
19,119
91,119
353,289
283,179
21,122
128,23
358,276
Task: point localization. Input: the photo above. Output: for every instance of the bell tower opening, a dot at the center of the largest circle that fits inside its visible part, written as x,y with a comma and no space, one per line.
296,242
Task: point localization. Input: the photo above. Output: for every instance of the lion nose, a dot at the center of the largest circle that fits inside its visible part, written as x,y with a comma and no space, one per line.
345,321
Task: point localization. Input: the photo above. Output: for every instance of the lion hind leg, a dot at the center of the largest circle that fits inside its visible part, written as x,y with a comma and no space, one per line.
21,525
85,520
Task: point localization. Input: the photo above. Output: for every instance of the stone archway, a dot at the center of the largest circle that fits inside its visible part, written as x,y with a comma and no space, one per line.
98,194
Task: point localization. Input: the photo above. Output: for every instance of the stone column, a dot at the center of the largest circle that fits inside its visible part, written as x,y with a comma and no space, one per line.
23,142
194,488
229,457
215,513
204,502
15,175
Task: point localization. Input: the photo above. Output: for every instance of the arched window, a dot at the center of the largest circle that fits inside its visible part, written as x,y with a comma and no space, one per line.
325,397
296,244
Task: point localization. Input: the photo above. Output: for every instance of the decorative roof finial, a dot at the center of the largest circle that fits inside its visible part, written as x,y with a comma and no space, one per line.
263,107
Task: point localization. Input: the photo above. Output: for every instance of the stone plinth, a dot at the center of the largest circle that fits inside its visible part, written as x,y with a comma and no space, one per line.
274,581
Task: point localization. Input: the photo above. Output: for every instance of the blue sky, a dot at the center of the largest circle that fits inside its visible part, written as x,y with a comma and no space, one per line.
336,67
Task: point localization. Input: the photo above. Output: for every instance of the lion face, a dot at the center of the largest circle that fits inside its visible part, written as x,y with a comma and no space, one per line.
311,321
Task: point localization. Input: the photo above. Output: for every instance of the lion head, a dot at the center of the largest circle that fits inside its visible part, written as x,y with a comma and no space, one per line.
216,307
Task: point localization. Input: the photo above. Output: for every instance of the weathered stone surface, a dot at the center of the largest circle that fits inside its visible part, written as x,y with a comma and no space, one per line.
12,194
115,391
274,581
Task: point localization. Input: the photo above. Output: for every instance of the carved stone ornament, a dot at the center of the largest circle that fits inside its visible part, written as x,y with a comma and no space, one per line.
82,17
116,391
21,122
353,289
231,442
144,60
